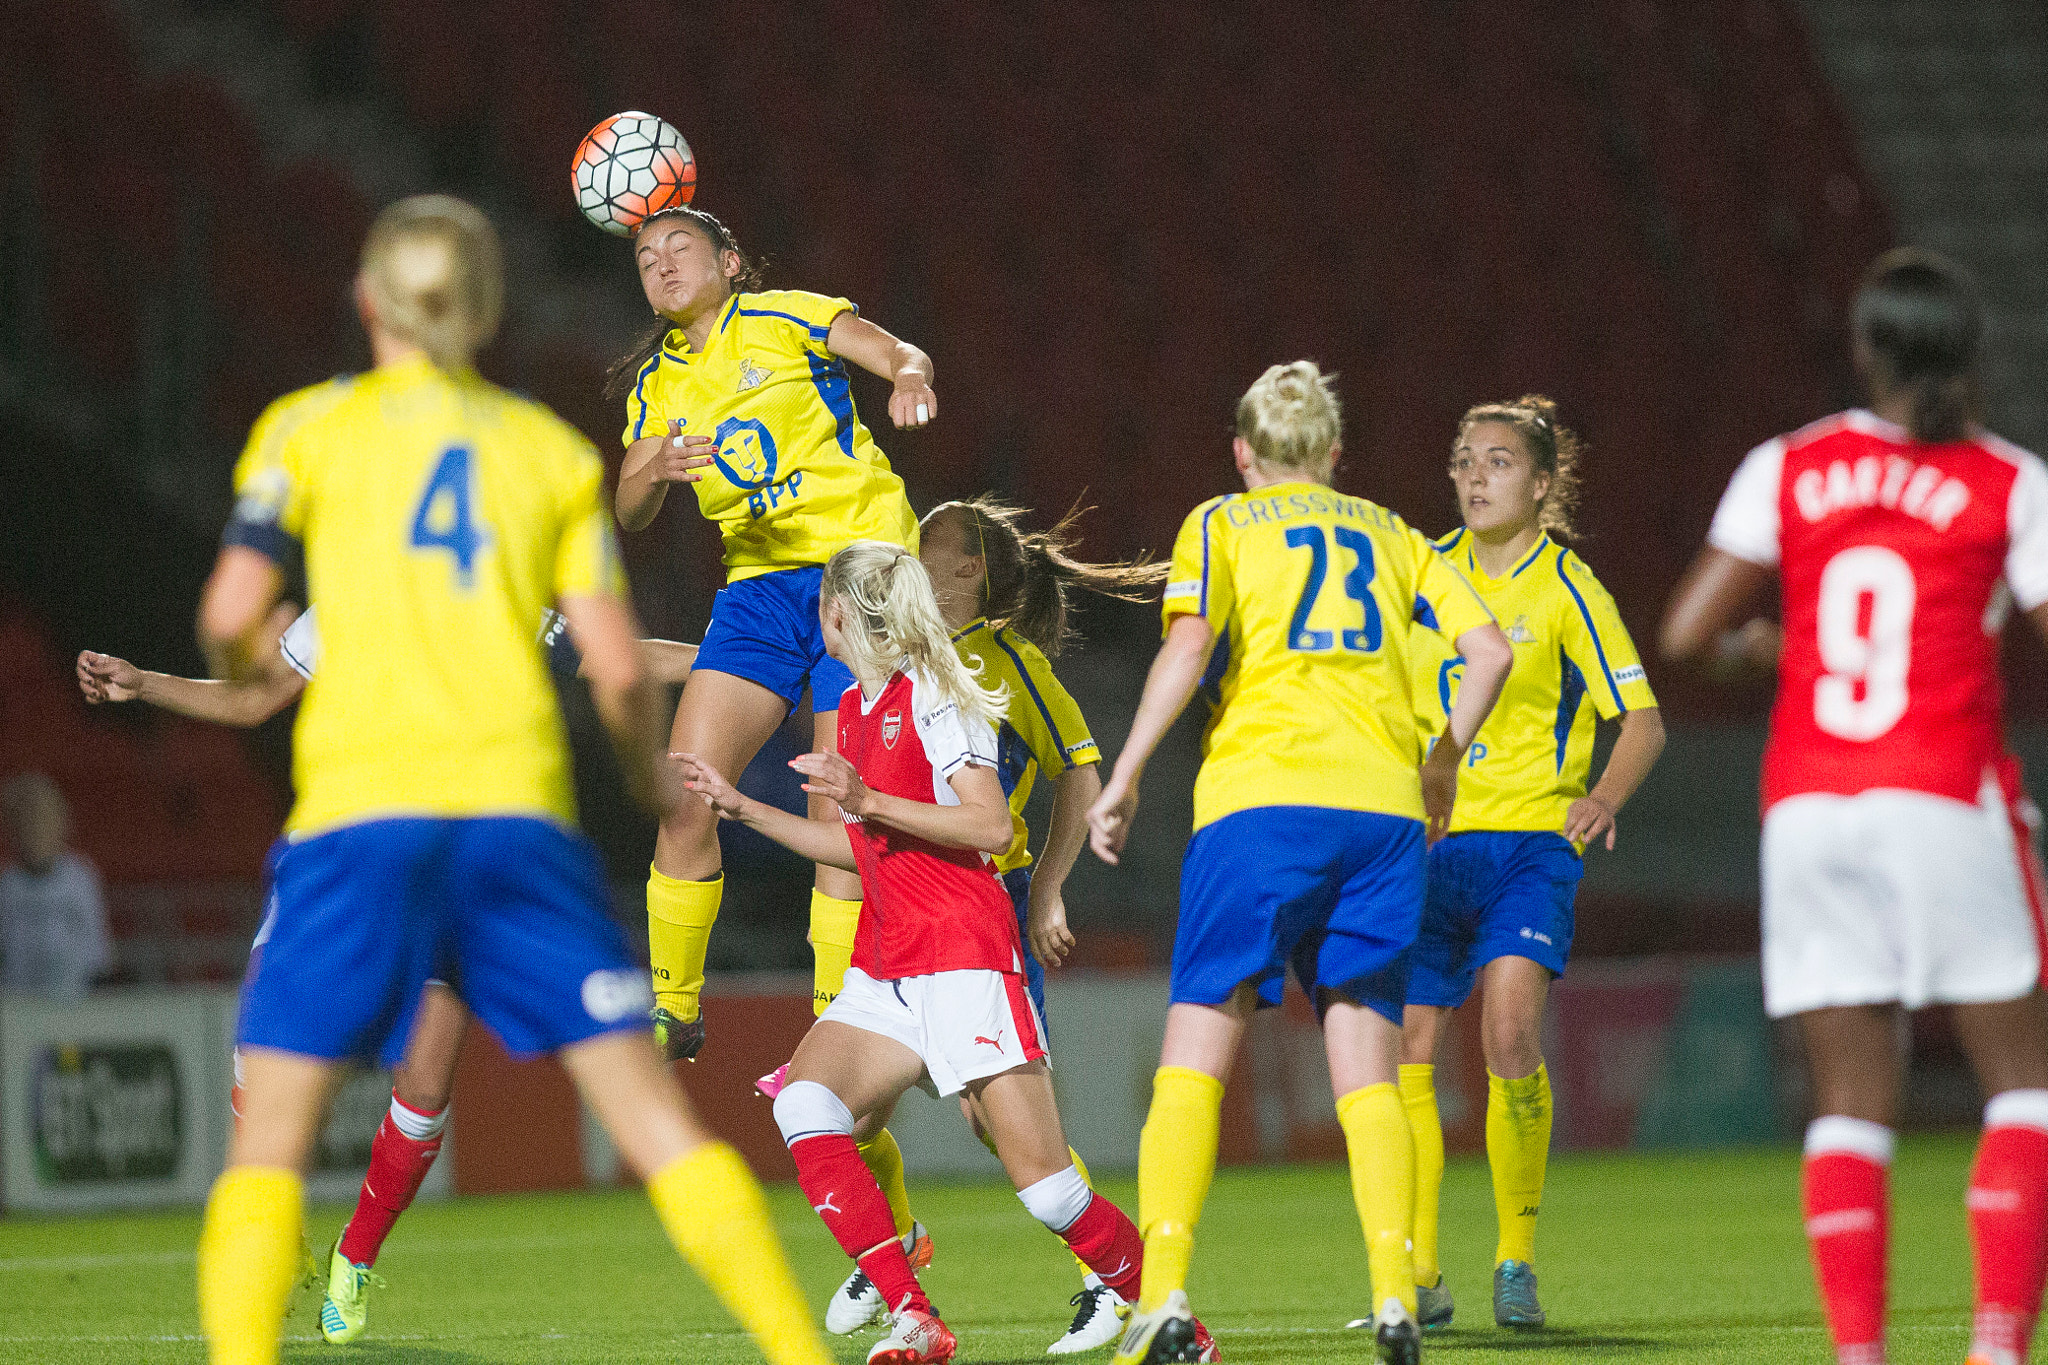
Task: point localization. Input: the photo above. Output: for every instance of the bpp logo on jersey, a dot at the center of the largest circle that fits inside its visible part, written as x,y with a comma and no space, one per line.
892,726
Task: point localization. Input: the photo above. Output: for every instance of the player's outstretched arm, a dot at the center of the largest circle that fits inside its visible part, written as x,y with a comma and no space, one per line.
1635,753
818,840
913,403
1045,920
607,635
102,678
1711,598
668,662
1176,672
981,821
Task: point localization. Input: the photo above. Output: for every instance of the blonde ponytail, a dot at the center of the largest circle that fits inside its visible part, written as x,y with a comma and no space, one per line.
435,274
1290,417
892,622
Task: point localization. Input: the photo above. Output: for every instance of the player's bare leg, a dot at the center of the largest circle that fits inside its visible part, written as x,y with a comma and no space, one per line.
724,719
407,1142
2008,1199
249,1252
1856,1056
709,1202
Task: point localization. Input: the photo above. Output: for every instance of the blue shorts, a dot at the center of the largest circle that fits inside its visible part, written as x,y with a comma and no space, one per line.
367,914
1493,894
1018,883
1335,893
765,629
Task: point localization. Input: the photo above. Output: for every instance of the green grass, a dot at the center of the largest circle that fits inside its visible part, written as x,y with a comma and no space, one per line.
1658,1258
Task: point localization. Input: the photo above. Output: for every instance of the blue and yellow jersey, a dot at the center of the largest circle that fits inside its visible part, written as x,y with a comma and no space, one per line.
1311,593
438,517
1573,660
1043,731
798,476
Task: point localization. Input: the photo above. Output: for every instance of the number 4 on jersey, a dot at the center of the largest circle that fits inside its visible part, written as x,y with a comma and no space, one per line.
443,520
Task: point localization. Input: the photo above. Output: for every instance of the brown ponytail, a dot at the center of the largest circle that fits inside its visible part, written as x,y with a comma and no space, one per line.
623,373
1026,575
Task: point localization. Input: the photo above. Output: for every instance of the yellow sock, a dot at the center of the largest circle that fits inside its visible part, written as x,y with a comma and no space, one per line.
1518,1150
1176,1162
1382,1186
679,919
712,1207
248,1258
885,1159
1418,1097
833,922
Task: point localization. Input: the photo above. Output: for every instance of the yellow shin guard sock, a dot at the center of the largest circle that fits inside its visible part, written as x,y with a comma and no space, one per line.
1518,1150
1176,1162
885,1161
1382,1186
833,923
248,1258
679,919
712,1208
1418,1097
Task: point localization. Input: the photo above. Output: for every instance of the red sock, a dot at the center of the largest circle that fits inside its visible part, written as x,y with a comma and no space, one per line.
1846,1161
844,1193
2008,1202
397,1166
1106,1239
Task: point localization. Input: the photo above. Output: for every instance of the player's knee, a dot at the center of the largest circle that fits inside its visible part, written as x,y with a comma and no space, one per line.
1513,1047
806,1109
422,1092
1059,1199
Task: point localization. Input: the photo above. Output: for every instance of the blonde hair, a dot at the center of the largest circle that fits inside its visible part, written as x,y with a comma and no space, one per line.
892,622
1291,417
436,275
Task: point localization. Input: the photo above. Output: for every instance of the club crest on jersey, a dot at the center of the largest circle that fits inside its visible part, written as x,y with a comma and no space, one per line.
752,376
1519,632
892,726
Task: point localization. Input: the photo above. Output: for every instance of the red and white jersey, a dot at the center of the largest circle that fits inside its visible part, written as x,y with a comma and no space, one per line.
1899,563
924,908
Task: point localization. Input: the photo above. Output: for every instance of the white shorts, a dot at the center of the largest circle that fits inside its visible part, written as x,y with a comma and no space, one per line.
963,1025
1895,896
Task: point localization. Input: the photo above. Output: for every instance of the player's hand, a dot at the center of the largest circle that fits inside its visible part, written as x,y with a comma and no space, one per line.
682,458
833,777
102,677
1109,819
1439,791
1750,651
1589,818
1045,925
705,780
913,404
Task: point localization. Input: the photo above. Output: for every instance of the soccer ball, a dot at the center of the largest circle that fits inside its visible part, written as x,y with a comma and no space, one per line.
630,166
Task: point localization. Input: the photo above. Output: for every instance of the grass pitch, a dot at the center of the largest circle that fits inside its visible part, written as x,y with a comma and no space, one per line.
1659,1258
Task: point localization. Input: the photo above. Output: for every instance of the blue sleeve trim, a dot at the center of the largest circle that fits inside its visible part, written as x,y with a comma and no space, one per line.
1204,599
1571,690
266,538
829,376
1425,615
817,333
1211,685
1599,652
640,393
1013,758
1029,686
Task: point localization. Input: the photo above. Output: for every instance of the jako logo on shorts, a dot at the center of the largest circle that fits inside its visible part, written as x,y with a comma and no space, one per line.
609,996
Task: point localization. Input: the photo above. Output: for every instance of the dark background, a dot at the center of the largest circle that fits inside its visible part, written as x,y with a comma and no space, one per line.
1102,221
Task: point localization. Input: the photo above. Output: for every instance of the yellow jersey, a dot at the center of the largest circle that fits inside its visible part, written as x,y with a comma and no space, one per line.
1042,732
438,517
797,474
1573,660
1311,593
